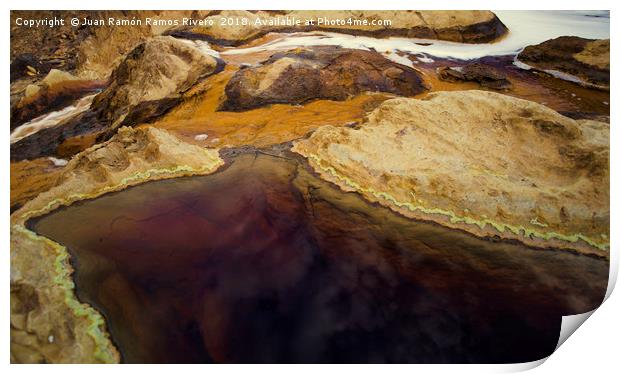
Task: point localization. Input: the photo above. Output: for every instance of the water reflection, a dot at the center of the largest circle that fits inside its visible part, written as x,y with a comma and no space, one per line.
263,262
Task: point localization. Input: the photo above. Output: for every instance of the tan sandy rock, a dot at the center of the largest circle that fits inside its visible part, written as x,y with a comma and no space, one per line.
54,77
595,53
483,162
105,47
31,177
158,69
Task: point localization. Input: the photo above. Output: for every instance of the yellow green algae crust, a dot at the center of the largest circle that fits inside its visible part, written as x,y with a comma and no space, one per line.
519,231
105,352
132,180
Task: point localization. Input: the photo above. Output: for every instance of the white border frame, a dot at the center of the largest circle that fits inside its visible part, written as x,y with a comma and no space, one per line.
593,348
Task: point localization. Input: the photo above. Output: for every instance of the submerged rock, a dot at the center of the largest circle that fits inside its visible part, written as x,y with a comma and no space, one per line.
319,73
151,78
586,59
484,162
235,27
486,75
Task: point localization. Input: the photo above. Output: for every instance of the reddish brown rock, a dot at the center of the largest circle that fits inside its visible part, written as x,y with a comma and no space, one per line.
333,73
486,75
586,59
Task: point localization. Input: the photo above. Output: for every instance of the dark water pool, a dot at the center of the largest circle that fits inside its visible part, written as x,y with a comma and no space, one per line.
263,262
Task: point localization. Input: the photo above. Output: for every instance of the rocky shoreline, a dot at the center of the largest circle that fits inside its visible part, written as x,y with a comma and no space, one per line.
453,189
48,323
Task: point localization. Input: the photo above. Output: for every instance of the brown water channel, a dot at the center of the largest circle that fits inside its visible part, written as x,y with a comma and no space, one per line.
264,262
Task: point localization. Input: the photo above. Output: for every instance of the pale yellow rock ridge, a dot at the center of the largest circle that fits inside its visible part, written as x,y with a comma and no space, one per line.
483,162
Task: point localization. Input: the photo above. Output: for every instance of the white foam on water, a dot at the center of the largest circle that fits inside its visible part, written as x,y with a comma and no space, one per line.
423,58
58,161
526,28
51,119
403,60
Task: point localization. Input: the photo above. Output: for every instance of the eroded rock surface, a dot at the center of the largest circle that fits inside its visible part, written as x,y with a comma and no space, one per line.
198,115
319,73
154,73
44,48
480,161
148,83
48,324
486,75
31,177
466,26
47,141
89,51
586,59
26,65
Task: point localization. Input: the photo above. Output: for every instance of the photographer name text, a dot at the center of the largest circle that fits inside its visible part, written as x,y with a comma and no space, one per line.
280,21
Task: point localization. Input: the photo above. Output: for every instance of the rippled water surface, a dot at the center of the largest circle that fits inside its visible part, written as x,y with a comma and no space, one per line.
263,262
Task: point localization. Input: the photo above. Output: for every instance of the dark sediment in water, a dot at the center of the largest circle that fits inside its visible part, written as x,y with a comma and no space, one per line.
264,262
